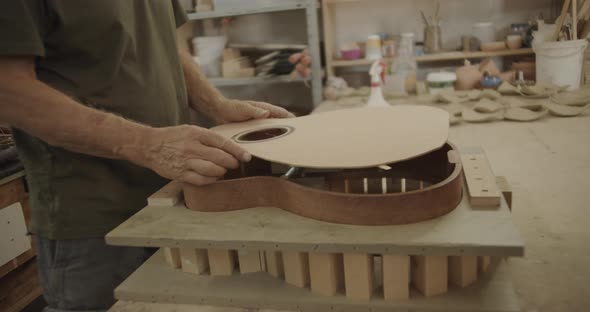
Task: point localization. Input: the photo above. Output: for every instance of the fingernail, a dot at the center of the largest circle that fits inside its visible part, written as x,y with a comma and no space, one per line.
262,113
246,157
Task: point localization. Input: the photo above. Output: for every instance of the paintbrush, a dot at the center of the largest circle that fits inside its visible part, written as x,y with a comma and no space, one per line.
424,18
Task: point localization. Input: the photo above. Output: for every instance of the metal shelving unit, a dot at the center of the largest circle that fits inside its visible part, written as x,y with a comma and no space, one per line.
313,43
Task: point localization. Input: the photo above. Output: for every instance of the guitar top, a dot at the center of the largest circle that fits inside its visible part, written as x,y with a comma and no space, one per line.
349,138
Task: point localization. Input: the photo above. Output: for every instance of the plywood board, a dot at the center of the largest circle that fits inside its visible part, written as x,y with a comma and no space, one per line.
463,231
13,233
494,292
343,139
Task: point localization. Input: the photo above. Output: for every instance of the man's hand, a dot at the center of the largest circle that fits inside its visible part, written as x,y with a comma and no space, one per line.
301,61
190,154
235,111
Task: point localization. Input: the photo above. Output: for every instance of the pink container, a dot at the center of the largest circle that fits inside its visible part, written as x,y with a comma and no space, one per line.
351,54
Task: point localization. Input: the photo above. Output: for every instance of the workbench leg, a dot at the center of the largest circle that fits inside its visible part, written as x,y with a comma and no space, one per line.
483,264
462,270
274,263
358,276
429,274
249,261
396,277
221,261
327,273
172,256
296,265
194,260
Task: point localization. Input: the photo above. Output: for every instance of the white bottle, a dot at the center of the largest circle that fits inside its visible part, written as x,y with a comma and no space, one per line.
376,98
403,67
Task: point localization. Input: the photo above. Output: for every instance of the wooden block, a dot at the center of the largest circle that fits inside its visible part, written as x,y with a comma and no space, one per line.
462,270
274,263
249,261
358,276
247,72
396,277
172,256
12,192
429,274
230,54
230,69
483,264
169,195
505,188
480,181
194,260
221,262
327,273
296,266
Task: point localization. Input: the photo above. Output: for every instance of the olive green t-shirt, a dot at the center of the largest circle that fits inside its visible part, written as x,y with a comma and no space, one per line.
118,56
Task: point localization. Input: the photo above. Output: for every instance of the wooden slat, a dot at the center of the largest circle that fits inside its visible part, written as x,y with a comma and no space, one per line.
429,274
480,180
274,263
16,262
20,287
396,279
221,262
327,273
358,276
169,195
194,260
249,261
483,264
296,266
462,270
172,256
505,188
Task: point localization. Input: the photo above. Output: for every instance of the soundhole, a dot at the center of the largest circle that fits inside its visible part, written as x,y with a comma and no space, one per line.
264,134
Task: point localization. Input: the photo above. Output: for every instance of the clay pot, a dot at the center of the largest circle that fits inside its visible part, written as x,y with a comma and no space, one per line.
490,67
468,76
514,42
508,76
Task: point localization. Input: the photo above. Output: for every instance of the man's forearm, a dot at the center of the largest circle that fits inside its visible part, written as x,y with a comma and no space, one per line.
202,95
48,114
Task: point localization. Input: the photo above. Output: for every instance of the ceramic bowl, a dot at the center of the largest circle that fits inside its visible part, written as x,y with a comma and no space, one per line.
493,46
514,42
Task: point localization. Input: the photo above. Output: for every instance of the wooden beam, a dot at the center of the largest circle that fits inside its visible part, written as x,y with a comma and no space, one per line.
221,262
194,260
462,270
172,256
483,264
429,274
249,261
274,263
358,276
327,273
396,277
505,188
296,266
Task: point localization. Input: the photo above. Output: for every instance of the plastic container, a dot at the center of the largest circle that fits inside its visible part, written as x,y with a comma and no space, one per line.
403,68
210,53
373,48
441,81
484,32
560,62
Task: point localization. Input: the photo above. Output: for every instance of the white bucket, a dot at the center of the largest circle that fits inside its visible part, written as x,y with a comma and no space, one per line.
210,53
560,62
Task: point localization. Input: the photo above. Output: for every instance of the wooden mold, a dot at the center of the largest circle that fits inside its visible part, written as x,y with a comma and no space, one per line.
411,191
